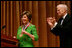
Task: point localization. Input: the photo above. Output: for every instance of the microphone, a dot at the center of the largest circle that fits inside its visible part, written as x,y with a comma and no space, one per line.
3,26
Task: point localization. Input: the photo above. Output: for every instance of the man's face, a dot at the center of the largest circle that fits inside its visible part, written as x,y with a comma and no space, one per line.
60,11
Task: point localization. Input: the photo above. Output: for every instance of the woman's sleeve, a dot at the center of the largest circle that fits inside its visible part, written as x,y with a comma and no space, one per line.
18,33
34,32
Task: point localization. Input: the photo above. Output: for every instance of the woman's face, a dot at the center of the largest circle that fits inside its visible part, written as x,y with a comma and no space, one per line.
25,19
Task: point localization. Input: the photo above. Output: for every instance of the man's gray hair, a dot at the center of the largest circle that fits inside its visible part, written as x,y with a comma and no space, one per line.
63,5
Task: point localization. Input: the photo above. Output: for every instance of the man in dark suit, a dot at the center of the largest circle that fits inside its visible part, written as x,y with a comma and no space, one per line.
63,27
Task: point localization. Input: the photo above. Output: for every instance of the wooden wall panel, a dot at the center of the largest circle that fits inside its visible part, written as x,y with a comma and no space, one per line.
4,16
69,7
29,6
42,24
14,17
1,15
17,16
35,19
51,12
11,14
7,18
20,11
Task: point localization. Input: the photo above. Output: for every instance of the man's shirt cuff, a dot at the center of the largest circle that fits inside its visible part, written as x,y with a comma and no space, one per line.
54,25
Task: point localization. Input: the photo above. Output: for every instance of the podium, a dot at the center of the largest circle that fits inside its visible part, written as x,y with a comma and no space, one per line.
8,41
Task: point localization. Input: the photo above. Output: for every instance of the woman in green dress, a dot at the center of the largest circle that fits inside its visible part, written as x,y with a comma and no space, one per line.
27,31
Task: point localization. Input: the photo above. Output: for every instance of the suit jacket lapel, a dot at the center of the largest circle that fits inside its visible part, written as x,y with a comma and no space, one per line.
59,22
66,19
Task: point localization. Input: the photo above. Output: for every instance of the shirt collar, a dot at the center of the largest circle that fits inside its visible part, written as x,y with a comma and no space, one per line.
64,16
